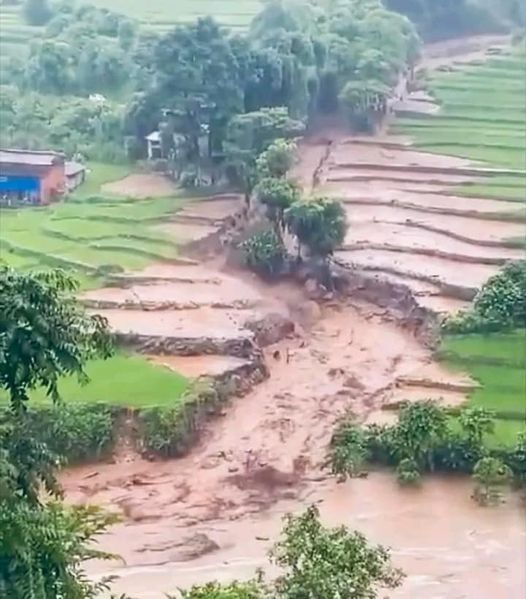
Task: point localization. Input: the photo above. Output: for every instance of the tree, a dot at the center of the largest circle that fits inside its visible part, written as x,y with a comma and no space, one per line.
277,159
277,195
365,103
315,563
37,12
44,334
420,426
319,224
329,563
248,136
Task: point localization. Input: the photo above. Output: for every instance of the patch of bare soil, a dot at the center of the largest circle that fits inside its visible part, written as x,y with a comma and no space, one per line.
141,186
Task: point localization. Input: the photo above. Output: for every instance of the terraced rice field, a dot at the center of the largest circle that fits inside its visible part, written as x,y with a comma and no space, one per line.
496,361
160,15
88,238
439,205
156,15
15,35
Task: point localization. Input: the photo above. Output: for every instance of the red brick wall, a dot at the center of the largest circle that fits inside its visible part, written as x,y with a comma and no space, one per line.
52,183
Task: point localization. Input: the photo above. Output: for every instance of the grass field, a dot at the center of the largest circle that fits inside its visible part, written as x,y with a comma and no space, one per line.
160,15
88,236
483,118
497,361
156,15
123,380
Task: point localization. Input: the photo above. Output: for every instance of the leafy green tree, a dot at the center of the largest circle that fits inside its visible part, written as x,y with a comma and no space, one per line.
44,334
491,475
365,103
319,224
37,12
420,426
330,563
277,195
265,252
316,562
277,159
249,135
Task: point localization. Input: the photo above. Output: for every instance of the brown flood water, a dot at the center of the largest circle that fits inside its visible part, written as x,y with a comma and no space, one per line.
448,546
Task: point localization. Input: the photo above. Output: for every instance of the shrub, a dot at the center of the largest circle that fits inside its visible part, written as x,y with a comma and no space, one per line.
425,439
169,431
491,475
348,452
265,253
76,433
235,590
408,473
499,305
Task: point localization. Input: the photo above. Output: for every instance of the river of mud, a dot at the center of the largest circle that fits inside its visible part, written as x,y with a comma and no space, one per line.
449,547
214,513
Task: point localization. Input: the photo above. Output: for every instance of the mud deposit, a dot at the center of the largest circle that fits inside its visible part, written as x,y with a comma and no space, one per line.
449,547
214,513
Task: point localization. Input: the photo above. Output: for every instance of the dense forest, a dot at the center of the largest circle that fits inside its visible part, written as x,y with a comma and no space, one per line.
96,83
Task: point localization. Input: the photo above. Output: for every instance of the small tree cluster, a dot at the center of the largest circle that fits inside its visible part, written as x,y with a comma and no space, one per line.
427,438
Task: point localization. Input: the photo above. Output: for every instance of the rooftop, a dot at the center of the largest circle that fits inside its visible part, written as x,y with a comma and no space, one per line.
30,157
72,168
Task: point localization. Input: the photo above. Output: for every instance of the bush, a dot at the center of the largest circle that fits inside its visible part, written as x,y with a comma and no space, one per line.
499,305
169,431
265,253
491,475
235,590
277,159
425,439
76,433
408,473
348,452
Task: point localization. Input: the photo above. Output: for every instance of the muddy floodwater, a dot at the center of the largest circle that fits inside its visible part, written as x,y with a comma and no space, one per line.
449,547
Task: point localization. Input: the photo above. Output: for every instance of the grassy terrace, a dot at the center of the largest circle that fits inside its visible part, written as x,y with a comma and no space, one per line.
483,118
123,380
497,362
88,235
160,15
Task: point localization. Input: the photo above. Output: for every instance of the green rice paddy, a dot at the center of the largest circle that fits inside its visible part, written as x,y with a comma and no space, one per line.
497,361
88,236
483,118
123,380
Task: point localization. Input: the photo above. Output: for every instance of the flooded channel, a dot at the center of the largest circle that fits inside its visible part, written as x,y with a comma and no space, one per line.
448,546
